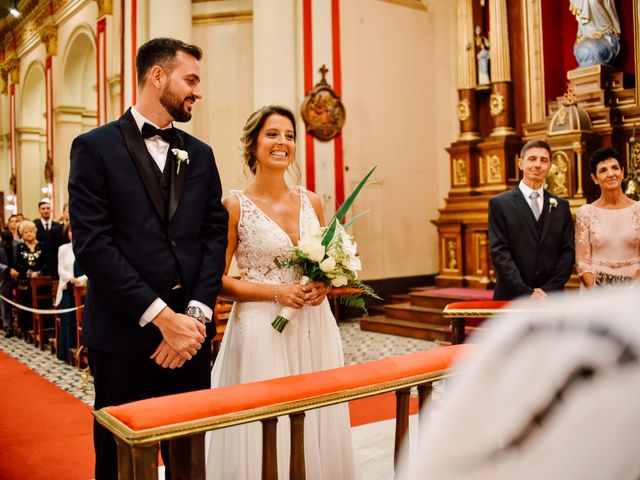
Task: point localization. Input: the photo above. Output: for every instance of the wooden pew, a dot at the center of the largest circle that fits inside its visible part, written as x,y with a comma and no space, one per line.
79,354
41,297
54,342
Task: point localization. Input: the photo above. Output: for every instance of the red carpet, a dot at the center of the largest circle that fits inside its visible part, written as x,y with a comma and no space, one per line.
466,293
45,432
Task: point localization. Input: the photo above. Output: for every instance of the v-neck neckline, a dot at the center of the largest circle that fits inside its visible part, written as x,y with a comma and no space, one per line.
276,223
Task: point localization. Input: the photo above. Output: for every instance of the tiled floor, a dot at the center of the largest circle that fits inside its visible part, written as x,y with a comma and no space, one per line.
359,347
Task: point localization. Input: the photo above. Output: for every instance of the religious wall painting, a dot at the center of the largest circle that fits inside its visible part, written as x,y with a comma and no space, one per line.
322,110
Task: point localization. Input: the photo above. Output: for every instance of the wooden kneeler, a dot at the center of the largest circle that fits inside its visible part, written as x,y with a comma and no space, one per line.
183,419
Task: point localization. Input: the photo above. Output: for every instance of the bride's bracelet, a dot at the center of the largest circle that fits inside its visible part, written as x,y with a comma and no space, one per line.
275,294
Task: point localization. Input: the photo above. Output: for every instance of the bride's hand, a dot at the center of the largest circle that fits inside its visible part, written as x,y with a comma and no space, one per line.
290,295
315,293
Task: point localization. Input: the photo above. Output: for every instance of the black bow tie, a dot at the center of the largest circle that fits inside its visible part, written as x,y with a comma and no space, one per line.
168,134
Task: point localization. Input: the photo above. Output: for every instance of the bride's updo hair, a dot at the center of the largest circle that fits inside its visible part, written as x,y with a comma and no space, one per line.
252,128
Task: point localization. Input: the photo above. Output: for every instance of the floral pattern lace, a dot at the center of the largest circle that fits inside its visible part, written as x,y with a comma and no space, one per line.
261,241
608,240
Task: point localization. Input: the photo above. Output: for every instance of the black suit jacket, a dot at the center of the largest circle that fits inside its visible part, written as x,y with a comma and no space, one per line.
52,238
127,244
526,257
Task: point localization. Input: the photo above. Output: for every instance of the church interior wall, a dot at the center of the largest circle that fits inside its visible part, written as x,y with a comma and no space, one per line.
227,90
399,92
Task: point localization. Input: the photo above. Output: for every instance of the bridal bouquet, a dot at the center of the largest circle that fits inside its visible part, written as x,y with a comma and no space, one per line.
329,255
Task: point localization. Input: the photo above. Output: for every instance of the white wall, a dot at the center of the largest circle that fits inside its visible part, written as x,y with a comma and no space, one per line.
399,91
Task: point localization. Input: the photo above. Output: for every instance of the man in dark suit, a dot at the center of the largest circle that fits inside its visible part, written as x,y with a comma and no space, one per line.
49,233
531,232
150,232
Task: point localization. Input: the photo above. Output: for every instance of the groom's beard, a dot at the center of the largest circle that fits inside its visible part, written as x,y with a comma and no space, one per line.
174,105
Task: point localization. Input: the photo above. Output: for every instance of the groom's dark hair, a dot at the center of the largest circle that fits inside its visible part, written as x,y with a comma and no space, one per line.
162,51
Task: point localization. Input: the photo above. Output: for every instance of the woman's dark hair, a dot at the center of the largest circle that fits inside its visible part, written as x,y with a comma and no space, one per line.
602,154
252,128
162,51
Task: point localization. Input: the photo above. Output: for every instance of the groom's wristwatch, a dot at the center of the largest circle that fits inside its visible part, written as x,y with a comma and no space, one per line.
198,314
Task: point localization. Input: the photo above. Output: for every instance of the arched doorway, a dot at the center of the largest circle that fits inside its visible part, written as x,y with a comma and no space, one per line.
31,137
75,110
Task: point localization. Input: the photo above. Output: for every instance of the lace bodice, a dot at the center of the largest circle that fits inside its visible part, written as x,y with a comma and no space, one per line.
607,240
261,241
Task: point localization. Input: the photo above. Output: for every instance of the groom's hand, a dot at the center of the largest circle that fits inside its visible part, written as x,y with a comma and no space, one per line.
183,333
167,357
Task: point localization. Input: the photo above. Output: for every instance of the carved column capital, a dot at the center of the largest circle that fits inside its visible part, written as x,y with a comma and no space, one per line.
105,7
11,68
49,36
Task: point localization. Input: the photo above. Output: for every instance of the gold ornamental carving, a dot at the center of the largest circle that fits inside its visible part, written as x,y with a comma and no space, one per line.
451,254
322,110
459,171
105,7
464,110
494,169
11,68
559,175
49,36
496,104
4,80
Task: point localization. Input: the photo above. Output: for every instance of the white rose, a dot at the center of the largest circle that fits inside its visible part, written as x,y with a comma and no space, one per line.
353,263
328,265
339,281
312,249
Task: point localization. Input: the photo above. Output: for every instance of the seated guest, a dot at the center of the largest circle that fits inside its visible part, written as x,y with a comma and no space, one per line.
30,259
12,226
608,230
531,232
70,276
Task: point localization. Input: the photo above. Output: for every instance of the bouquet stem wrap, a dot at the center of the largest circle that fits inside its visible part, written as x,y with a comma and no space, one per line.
287,314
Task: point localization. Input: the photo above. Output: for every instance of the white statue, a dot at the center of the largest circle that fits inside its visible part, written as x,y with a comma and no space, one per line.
483,56
598,31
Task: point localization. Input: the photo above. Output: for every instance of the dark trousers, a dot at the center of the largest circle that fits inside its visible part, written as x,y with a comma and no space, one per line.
121,378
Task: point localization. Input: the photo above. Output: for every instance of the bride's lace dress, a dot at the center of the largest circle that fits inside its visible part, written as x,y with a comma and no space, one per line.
252,351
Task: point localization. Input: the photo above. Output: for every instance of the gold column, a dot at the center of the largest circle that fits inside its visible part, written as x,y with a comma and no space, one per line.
467,111
636,28
500,101
534,64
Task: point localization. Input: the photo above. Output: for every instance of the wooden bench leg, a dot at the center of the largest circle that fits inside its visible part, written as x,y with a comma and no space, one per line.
402,423
186,457
269,449
458,325
138,462
296,465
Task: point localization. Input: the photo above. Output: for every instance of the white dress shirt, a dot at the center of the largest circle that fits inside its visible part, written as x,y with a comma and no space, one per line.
526,191
158,149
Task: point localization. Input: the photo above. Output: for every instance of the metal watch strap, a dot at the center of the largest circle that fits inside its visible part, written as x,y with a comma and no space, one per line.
198,314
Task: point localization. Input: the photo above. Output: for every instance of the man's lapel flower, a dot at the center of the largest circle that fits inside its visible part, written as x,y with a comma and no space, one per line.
181,156
553,203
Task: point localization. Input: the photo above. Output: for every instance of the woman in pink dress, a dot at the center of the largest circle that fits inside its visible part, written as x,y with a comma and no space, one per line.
608,230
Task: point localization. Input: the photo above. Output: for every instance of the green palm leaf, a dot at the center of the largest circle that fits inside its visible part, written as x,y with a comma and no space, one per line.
342,211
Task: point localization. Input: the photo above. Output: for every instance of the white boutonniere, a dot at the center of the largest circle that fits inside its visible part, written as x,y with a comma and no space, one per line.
553,203
182,156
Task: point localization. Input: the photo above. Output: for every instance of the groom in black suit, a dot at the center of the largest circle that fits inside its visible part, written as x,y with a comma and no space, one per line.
150,232
531,232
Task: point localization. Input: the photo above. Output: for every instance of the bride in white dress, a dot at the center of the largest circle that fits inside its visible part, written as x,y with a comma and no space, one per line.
265,221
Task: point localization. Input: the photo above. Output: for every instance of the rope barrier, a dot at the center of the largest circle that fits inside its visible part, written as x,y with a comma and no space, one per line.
40,311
